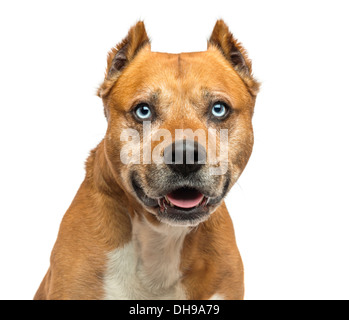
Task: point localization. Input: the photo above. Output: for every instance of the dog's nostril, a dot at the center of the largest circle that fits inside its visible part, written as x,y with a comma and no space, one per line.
185,156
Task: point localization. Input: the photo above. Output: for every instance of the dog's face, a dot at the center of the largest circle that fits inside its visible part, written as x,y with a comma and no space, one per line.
179,125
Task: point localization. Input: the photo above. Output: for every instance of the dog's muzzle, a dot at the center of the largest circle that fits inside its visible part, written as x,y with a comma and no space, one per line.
184,198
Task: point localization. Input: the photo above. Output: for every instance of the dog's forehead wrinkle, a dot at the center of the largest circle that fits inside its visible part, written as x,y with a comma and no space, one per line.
178,78
147,94
179,66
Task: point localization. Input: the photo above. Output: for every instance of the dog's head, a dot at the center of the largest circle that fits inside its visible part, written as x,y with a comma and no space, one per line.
179,125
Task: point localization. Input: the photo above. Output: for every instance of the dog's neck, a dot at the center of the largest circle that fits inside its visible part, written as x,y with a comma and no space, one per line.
159,249
148,266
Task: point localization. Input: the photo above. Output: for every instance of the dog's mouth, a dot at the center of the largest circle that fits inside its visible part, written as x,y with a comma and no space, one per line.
180,206
184,199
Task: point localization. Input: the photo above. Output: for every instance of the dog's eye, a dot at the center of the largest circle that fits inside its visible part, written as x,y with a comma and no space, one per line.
143,112
219,110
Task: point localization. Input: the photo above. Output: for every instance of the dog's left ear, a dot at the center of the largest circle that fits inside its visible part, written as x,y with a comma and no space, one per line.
234,52
122,54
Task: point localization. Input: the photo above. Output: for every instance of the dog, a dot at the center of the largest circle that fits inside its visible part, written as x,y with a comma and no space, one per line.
145,229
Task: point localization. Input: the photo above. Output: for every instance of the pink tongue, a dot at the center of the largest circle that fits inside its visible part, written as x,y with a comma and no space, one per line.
185,199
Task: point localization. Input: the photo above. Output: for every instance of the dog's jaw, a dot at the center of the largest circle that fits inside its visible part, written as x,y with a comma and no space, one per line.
169,213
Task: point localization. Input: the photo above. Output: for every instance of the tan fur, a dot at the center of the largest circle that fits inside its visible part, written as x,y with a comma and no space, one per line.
101,216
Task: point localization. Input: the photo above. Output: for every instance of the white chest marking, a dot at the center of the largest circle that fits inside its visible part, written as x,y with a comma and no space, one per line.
217,296
147,267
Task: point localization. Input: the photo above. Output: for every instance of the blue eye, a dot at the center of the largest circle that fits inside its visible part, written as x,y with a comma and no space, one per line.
219,110
143,112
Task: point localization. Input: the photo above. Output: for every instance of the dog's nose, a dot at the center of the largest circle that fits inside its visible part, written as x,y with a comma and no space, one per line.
185,156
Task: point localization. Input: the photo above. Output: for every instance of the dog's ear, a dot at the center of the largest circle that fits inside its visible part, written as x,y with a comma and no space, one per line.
222,38
234,52
122,54
126,50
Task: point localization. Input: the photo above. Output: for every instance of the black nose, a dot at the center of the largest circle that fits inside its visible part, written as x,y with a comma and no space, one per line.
185,156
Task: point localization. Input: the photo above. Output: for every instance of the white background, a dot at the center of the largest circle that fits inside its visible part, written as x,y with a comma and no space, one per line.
290,207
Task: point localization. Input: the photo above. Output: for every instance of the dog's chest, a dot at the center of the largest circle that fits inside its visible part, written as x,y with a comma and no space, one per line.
146,267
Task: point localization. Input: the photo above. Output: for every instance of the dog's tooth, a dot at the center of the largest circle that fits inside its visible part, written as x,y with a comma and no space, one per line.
169,202
161,204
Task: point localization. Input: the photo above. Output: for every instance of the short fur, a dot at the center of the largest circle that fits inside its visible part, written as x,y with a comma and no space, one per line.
110,244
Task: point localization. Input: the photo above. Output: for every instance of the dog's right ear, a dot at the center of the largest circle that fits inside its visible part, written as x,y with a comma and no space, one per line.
122,54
